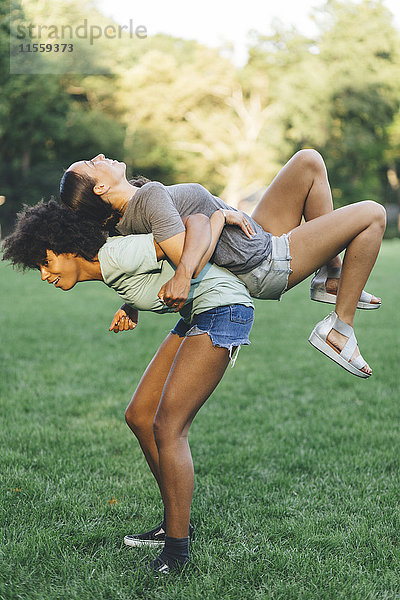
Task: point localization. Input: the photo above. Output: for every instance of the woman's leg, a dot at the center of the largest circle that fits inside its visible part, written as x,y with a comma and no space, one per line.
301,189
196,371
142,408
359,228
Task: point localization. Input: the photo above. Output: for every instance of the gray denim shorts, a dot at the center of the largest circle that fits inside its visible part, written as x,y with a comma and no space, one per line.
269,279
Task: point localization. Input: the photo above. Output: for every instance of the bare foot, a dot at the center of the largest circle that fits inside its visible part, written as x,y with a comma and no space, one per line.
337,341
332,288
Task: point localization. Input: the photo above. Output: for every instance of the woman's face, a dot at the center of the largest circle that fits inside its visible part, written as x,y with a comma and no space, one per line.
61,270
102,170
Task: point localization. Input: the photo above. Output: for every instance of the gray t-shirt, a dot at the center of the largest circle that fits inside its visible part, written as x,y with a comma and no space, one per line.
159,209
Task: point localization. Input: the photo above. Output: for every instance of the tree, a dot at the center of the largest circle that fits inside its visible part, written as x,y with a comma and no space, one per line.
195,120
49,120
339,92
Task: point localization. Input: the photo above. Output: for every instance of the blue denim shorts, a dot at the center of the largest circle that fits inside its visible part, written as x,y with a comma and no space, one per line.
227,326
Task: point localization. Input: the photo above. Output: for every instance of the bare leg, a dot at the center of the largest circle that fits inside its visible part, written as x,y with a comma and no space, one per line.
197,370
142,408
359,228
301,189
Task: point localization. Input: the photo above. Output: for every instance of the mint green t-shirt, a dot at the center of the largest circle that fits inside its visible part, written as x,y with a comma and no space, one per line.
129,266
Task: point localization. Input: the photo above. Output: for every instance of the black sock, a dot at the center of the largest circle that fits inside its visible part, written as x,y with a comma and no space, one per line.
176,550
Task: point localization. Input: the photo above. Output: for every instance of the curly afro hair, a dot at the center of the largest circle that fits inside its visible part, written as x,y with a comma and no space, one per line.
50,226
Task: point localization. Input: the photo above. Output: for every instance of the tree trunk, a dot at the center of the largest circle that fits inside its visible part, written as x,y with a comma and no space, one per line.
26,161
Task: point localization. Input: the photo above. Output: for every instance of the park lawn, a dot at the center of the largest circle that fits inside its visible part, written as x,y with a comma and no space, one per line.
297,462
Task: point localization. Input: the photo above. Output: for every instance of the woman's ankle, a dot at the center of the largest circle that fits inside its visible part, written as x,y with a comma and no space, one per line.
345,316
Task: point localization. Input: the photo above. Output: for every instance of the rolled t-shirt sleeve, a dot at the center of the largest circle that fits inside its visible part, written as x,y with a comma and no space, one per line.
159,213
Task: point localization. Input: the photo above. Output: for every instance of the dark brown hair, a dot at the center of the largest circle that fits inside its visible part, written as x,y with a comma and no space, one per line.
76,193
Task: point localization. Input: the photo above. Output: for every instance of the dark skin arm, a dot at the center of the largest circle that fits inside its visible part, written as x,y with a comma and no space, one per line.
190,252
218,220
125,319
185,250
216,224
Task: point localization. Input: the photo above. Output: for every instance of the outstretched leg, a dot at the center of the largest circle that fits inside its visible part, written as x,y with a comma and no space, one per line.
359,228
300,190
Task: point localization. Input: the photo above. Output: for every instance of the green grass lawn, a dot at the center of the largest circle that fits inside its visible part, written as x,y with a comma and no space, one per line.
297,462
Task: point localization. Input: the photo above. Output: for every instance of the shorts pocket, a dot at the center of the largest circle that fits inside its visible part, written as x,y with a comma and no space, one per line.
241,313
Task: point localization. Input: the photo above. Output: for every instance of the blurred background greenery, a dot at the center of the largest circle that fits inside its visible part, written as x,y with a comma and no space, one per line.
176,110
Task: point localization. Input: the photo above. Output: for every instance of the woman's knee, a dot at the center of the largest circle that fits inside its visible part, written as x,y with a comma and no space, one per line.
310,159
166,430
136,419
381,215
376,213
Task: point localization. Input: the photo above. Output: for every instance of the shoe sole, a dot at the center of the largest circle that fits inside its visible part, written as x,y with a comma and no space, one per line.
137,542
318,296
325,348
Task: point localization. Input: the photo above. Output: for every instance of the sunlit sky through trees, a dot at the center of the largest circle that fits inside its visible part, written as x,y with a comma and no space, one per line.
216,22
175,110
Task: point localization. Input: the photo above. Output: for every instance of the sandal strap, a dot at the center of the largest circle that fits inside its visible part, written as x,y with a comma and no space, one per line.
358,362
320,277
351,344
334,272
342,327
324,273
365,297
349,347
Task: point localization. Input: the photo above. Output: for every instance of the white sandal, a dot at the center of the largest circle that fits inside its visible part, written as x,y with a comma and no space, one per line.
318,340
318,288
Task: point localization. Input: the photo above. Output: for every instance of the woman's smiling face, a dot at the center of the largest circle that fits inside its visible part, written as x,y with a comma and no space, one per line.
61,270
101,169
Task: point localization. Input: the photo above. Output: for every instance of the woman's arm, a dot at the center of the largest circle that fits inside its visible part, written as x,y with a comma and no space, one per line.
125,318
189,251
176,290
185,250
218,220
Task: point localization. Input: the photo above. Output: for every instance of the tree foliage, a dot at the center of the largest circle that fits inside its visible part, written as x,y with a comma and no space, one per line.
176,110
339,93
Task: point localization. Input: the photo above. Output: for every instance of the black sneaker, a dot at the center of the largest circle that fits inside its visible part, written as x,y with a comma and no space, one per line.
154,537
159,566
